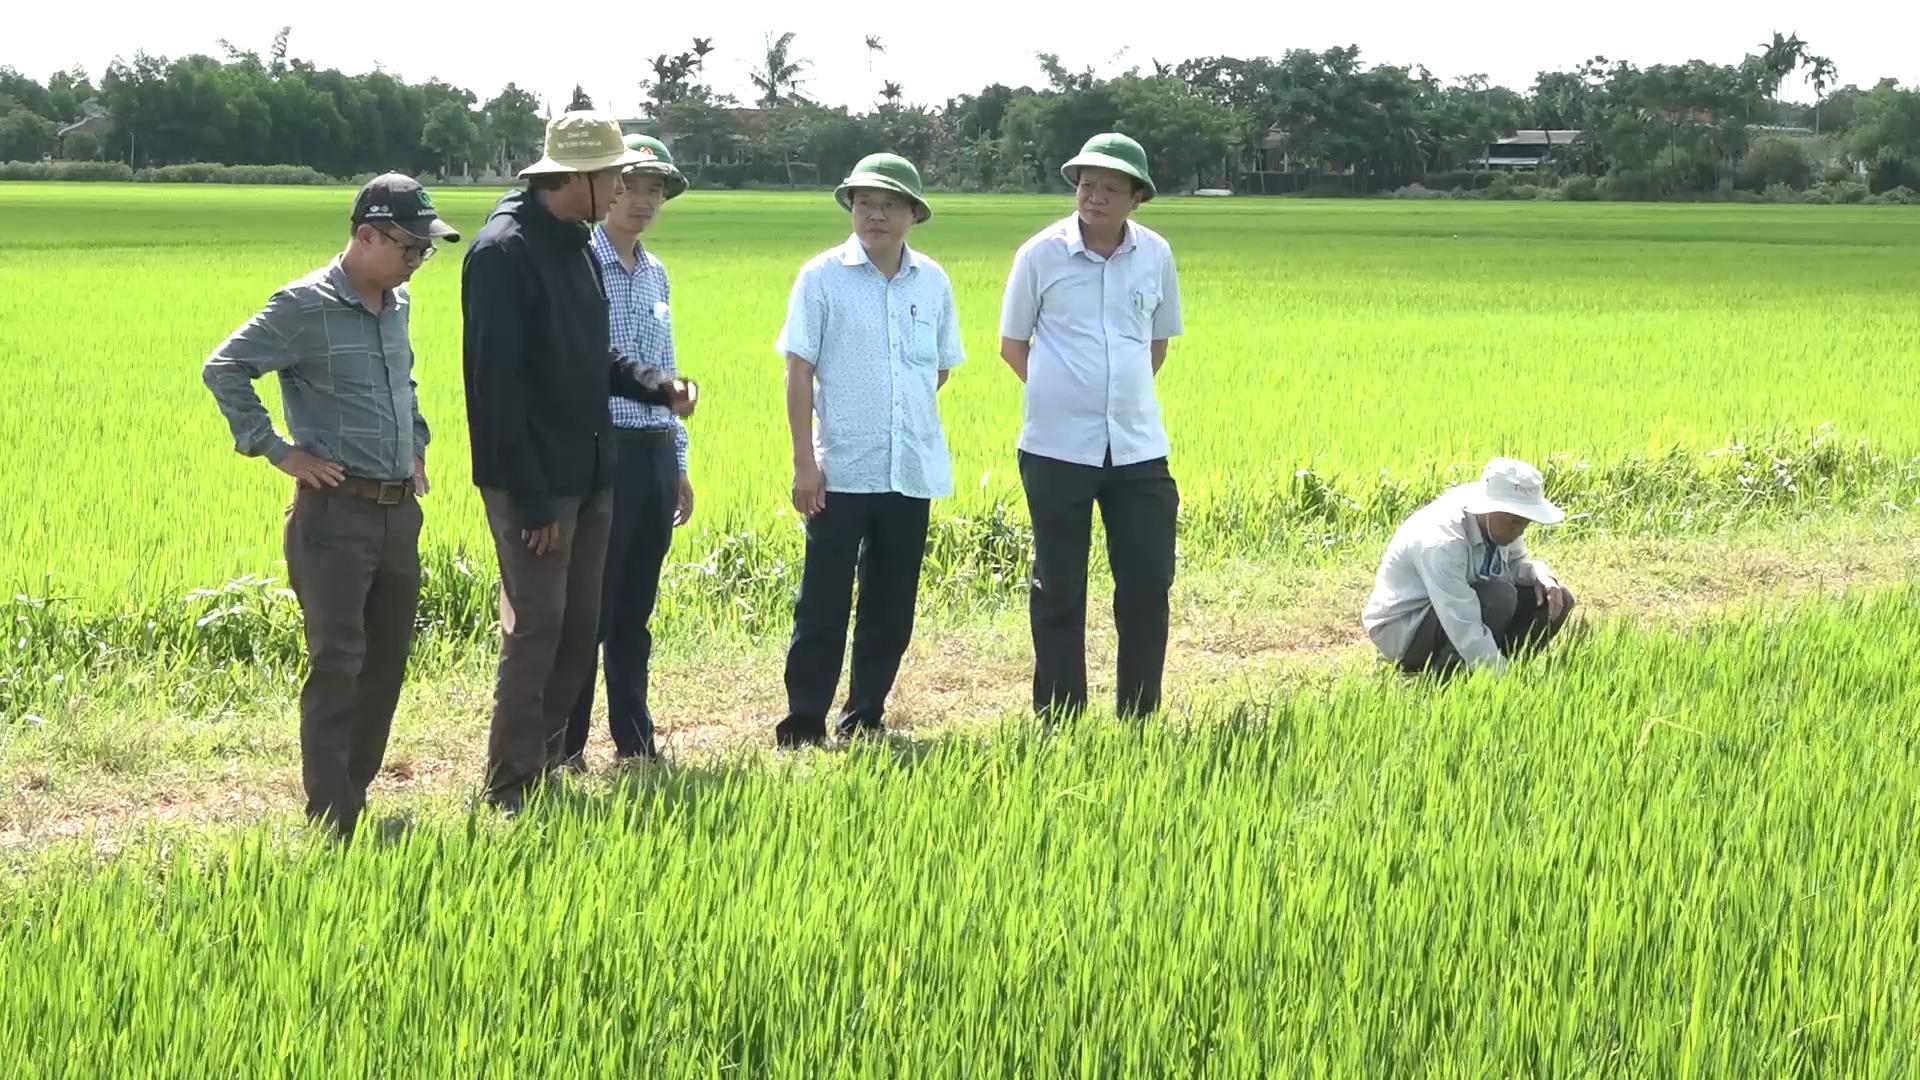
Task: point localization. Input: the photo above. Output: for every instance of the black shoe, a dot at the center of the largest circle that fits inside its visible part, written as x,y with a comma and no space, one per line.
790,735
863,731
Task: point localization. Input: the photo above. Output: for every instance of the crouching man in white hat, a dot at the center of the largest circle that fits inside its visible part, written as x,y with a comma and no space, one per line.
1456,587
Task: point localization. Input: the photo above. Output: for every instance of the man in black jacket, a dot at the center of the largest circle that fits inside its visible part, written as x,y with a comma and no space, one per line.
539,369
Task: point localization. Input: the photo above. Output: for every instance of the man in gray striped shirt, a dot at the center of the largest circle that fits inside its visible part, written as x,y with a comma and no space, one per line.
337,339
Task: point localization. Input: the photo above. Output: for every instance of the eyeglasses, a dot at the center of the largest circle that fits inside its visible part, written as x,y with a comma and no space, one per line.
415,252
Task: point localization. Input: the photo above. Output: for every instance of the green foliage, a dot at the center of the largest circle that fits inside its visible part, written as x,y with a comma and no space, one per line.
1845,192
1775,161
451,134
1889,124
25,136
1310,122
202,173
1604,305
511,123
69,171
1889,172
1581,189
18,91
1675,851
1460,180
82,146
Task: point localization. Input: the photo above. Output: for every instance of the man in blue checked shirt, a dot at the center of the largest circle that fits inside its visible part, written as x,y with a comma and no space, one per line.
871,335
652,495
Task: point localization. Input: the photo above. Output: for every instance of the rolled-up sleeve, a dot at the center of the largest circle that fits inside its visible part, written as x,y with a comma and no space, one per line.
266,343
1445,571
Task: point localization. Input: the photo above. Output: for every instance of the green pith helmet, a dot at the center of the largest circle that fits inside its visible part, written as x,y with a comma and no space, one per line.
1115,151
888,172
655,160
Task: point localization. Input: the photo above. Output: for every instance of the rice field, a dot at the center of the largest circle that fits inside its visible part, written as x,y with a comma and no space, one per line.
1671,853
1682,844
1350,339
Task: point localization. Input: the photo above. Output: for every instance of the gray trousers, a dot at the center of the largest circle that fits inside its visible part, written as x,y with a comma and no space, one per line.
1515,617
355,567
549,621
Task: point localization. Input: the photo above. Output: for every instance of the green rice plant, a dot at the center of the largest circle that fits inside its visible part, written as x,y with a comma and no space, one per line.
1670,852
1326,342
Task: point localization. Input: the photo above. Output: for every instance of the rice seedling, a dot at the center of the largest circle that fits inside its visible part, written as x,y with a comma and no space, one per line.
1656,852
1341,360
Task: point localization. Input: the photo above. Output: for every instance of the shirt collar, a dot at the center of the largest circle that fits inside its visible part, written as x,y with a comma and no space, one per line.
337,277
1077,243
604,251
854,253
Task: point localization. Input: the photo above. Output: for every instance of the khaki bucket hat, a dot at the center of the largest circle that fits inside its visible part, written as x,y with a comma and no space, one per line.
583,142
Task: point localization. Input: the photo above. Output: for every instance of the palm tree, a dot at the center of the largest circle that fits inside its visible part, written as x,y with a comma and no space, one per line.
779,80
890,93
1821,76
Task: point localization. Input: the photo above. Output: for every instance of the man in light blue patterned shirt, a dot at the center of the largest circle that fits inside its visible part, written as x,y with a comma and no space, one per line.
870,338
652,494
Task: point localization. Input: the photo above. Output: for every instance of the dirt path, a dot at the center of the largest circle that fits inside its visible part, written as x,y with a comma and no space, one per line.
1238,631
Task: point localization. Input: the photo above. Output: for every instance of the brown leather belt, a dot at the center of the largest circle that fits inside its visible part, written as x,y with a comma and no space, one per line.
384,492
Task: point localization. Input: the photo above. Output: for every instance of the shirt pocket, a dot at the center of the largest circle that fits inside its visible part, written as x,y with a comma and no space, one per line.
923,340
1138,306
662,315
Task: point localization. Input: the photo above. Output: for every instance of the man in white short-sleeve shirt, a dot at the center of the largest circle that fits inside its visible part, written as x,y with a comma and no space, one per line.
1089,307
870,338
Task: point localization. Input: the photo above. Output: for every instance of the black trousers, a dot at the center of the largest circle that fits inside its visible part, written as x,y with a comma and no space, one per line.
646,489
1511,613
880,539
1139,504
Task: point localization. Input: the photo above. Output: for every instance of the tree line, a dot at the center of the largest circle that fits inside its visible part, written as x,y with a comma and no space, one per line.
1311,120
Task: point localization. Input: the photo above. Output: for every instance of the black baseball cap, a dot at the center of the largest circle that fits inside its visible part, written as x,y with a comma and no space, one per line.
398,199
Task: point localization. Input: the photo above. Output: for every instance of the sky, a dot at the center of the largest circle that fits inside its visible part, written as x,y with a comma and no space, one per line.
937,53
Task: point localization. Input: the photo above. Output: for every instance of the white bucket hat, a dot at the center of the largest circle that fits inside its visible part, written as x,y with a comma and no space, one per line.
583,142
1511,486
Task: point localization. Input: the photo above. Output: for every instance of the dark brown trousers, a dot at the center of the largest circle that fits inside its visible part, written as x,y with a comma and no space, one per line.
355,567
549,624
